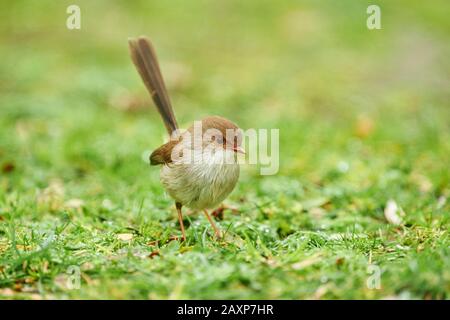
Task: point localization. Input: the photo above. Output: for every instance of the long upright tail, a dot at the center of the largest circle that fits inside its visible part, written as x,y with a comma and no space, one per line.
144,58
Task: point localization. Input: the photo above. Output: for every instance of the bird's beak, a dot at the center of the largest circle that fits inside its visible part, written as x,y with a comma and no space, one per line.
238,150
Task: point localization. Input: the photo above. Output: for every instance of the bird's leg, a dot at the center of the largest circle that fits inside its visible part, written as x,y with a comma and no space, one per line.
216,230
180,219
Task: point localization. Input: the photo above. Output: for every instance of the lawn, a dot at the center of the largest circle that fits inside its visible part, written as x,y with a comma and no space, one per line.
364,120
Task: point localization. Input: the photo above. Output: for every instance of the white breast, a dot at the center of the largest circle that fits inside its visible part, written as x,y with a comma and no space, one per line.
203,183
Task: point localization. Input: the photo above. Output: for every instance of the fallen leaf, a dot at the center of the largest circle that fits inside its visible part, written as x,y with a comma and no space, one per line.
391,213
8,167
125,236
18,286
340,261
153,254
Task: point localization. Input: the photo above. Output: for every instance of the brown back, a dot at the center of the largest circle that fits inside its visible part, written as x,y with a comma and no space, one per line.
163,155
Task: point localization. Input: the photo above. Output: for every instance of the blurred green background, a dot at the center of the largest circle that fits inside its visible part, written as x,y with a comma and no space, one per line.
364,117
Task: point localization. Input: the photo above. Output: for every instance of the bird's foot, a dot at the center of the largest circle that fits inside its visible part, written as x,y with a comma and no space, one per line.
219,212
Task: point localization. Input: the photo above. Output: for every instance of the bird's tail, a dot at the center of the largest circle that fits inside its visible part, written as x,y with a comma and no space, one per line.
144,58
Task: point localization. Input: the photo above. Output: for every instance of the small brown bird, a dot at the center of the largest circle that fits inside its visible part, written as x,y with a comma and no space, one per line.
199,168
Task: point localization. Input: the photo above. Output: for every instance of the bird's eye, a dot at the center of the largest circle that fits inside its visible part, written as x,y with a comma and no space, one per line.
219,140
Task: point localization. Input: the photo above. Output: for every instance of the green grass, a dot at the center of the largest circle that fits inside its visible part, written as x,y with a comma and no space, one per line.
364,117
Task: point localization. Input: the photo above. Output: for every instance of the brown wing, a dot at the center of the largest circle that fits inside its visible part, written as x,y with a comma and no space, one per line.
144,58
163,154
